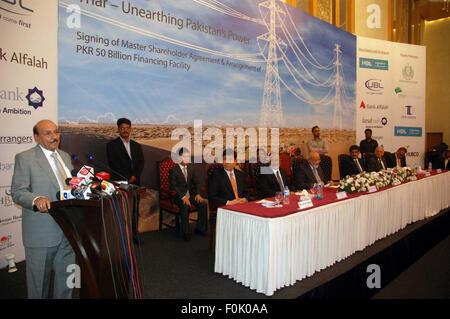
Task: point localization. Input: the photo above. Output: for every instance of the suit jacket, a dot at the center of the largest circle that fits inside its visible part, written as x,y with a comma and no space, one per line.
392,161
33,176
304,177
178,182
268,184
220,190
120,162
374,166
349,166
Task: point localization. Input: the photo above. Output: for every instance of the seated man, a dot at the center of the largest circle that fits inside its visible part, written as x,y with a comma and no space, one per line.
355,165
272,179
377,163
398,159
228,186
309,173
186,183
445,160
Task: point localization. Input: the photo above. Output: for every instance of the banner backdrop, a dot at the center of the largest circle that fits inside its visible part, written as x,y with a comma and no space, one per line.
391,96
28,93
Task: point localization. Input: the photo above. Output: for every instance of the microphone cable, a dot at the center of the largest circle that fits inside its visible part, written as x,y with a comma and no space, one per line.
107,248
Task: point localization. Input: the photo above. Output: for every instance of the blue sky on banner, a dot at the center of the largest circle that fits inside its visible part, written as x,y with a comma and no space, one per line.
100,89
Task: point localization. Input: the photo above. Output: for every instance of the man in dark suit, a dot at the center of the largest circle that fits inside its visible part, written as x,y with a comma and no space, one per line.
309,173
228,186
125,155
353,165
445,162
39,173
272,179
185,182
398,158
377,163
126,158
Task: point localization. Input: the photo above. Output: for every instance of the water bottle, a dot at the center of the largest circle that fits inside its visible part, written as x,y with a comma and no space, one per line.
286,195
319,194
430,166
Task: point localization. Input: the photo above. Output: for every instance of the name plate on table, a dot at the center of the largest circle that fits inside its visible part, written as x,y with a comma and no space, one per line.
413,178
427,174
438,171
305,203
372,189
341,195
396,183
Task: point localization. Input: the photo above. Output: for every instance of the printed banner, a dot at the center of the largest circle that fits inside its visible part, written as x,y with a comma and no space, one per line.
391,96
28,93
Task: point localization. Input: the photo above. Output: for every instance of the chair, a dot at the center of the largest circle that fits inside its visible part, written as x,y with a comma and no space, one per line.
296,162
327,166
341,159
285,162
166,203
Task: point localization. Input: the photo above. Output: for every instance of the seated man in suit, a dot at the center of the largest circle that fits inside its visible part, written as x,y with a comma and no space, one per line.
309,173
185,182
228,186
445,162
377,163
398,159
355,165
272,179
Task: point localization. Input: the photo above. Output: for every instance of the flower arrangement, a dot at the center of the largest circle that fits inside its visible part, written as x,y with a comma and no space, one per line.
362,182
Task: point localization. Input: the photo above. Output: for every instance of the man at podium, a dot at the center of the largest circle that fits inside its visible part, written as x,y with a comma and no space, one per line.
39,173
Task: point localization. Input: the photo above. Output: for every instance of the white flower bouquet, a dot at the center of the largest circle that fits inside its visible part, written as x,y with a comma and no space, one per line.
362,182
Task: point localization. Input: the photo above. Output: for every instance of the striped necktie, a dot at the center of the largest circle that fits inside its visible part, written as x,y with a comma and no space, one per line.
62,176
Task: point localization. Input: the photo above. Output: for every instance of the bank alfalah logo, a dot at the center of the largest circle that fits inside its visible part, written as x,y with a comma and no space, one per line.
16,7
35,97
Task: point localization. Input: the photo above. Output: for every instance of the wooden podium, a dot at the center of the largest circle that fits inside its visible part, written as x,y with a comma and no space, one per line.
99,232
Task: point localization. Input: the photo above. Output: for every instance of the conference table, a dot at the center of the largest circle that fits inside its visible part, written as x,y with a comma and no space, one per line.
267,248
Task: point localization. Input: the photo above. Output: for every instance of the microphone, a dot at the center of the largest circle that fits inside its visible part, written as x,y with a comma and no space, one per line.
87,173
103,166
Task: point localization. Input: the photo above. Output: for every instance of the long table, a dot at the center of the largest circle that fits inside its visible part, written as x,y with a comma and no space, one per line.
266,249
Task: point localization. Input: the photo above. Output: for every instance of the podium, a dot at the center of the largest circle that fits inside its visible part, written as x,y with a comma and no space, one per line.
99,232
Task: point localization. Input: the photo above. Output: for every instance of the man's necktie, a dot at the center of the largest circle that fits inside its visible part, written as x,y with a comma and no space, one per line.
381,163
399,162
316,174
185,177
62,176
280,181
233,184
358,165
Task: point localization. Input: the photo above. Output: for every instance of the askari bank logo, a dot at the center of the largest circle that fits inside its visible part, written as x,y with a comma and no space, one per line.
19,7
35,97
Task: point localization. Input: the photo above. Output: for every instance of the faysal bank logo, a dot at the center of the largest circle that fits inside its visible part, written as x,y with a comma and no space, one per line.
19,7
35,98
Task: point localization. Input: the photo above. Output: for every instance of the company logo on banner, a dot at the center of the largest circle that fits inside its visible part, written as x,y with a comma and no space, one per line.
6,242
408,73
16,11
375,122
408,131
409,113
373,106
375,64
35,98
374,85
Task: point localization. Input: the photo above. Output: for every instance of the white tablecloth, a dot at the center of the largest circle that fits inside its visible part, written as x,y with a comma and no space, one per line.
269,253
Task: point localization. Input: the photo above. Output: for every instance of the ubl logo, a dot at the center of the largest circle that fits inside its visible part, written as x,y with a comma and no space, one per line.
374,85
